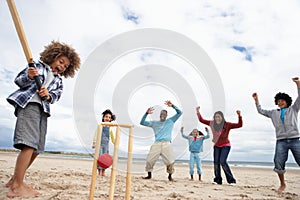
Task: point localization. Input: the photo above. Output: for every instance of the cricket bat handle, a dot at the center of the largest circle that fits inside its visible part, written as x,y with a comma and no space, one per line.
21,34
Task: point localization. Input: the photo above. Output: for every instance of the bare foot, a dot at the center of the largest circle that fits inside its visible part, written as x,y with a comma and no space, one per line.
9,183
281,189
22,191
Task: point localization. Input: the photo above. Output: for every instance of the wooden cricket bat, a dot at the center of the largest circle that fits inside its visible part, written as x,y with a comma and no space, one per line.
23,40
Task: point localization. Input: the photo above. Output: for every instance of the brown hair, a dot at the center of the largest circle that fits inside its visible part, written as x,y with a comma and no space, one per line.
56,49
107,111
216,126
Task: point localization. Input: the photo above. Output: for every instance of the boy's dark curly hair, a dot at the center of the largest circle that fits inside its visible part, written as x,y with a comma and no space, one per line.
285,97
56,49
113,117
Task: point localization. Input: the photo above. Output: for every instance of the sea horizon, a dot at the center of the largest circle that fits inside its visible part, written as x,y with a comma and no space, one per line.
88,156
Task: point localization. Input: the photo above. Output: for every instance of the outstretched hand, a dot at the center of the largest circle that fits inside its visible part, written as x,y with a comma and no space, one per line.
238,112
169,103
297,81
255,97
181,130
198,109
150,110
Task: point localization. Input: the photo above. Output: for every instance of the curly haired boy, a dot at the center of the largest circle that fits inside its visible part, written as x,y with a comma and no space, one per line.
57,60
285,121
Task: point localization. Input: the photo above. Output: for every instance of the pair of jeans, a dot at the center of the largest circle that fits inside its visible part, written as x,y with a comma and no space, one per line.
194,157
220,159
281,153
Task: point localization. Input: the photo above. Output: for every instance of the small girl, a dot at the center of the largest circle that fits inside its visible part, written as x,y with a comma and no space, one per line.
107,116
195,139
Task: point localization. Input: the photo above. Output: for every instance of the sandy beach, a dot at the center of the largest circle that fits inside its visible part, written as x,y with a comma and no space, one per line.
67,178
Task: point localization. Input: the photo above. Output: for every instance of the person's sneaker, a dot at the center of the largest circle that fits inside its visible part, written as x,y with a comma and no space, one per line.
149,176
233,184
170,178
216,183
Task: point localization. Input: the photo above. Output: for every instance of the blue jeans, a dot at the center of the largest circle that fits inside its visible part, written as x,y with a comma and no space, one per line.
195,157
220,159
281,153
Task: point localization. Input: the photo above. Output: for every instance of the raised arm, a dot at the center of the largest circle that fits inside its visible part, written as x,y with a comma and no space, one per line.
255,97
296,104
181,131
178,112
207,133
143,120
236,125
266,113
297,81
201,119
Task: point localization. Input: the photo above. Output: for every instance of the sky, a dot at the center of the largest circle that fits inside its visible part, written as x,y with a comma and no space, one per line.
246,47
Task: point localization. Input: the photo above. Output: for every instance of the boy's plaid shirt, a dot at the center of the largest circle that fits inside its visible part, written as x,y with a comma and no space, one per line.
27,88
